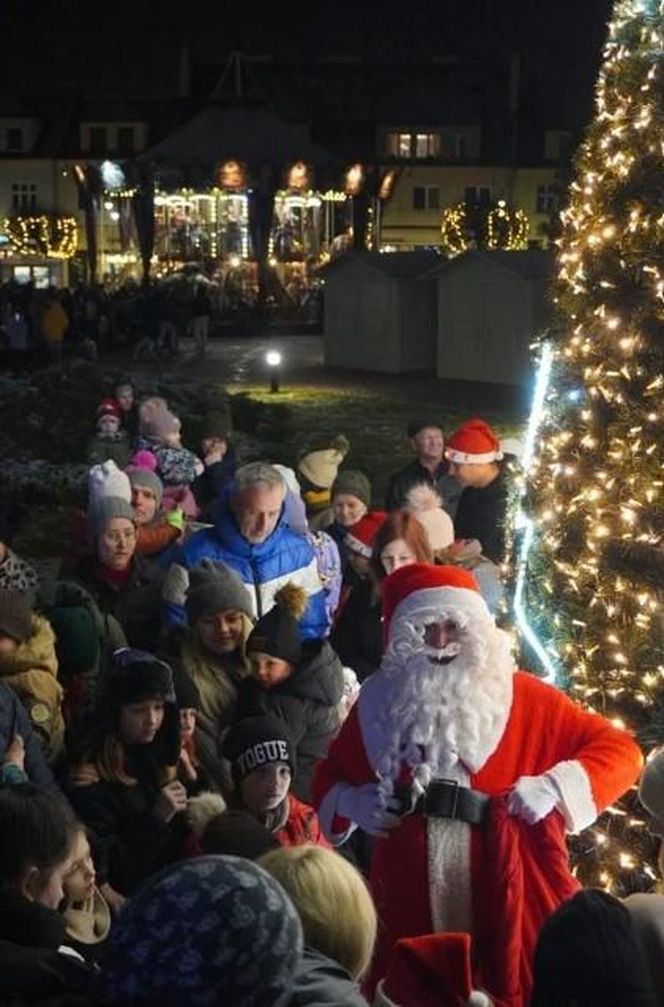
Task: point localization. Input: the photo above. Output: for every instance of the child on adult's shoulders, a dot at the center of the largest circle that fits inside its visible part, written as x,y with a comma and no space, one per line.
299,681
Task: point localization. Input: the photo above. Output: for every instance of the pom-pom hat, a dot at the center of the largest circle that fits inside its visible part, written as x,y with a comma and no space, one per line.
360,536
474,443
320,467
420,586
109,407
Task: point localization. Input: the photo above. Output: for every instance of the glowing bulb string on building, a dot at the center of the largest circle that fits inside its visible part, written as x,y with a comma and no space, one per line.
590,565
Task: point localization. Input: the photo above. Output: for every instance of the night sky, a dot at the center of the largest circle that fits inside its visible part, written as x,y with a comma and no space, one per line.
128,43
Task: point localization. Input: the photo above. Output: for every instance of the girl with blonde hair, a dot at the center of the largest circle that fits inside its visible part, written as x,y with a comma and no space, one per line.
338,919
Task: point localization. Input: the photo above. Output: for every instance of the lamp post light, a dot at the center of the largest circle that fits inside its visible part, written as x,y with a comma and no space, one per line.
273,360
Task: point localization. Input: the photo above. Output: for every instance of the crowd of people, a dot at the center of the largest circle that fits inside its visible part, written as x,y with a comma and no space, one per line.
263,743
85,319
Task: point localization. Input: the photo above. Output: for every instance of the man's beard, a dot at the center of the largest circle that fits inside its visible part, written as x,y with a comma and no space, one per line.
442,707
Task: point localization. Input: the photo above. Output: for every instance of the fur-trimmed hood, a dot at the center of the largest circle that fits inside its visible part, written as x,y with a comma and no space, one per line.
36,654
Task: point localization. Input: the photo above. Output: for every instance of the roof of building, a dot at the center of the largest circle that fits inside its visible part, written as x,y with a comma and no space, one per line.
406,265
535,263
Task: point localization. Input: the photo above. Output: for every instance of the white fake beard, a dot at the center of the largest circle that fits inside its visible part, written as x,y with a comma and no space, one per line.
444,706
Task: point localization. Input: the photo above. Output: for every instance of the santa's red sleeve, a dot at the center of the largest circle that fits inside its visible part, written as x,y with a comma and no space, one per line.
601,761
346,764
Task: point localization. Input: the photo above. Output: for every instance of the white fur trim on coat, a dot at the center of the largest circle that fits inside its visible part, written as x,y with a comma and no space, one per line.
464,458
577,803
449,868
201,809
381,999
326,815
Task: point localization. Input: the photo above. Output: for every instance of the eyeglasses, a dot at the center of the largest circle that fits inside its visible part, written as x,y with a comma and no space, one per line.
120,537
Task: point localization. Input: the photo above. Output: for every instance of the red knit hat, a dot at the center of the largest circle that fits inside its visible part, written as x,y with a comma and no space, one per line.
416,577
430,971
360,536
108,407
473,444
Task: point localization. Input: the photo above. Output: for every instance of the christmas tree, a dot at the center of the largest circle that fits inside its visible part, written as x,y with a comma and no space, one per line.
591,565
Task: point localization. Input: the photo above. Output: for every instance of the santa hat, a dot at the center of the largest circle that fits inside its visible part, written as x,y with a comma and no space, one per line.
109,407
360,536
423,501
430,971
474,443
420,585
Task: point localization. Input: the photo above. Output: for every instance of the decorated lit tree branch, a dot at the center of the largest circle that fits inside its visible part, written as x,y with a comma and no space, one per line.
591,572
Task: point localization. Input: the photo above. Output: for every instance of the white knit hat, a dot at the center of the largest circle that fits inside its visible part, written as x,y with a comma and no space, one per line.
423,501
107,480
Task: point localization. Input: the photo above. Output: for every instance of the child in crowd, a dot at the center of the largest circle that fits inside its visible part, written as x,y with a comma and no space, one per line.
338,919
158,531
124,784
37,845
124,395
110,441
177,466
86,911
301,682
219,459
212,931
28,664
263,763
317,471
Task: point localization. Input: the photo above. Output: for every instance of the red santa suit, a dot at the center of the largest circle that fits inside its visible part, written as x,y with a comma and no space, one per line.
433,874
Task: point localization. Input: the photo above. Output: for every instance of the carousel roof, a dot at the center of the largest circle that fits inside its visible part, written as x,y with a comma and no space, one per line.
254,135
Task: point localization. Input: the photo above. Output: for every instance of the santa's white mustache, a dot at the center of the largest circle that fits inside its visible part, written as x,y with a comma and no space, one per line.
445,654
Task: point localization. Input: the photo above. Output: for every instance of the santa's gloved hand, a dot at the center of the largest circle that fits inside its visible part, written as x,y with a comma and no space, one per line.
363,806
533,798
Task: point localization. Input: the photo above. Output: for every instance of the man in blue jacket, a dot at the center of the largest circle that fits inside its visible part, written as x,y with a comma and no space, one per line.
251,536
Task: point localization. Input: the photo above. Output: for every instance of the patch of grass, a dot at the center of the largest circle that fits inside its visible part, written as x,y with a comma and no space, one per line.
374,423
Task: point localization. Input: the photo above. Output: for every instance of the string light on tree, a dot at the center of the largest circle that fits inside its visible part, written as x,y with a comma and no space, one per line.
593,578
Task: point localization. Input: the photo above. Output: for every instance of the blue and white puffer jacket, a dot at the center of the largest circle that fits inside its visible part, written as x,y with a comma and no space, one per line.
282,558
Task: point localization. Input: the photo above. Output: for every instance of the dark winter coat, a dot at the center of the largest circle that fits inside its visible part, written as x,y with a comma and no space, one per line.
322,982
31,969
357,635
307,702
414,475
208,486
132,841
482,514
136,605
15,720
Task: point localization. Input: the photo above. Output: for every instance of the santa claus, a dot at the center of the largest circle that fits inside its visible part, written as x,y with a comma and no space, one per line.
468,772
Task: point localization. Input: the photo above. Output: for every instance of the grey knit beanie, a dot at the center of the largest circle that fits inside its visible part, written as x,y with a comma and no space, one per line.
215,587
110,507
148,480
355,483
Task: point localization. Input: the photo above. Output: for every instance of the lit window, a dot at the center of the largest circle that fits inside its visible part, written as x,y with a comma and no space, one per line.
403,144
426,145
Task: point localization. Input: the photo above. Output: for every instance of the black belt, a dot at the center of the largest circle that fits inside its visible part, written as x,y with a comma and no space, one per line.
446,799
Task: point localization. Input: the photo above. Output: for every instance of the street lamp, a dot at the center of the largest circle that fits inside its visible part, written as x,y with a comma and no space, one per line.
273,361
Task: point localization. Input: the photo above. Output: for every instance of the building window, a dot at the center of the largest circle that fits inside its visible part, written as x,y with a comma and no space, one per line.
426,197
98,140
477,195
14,138
557,144
414,146
24,197
125,140
456,146
547,199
